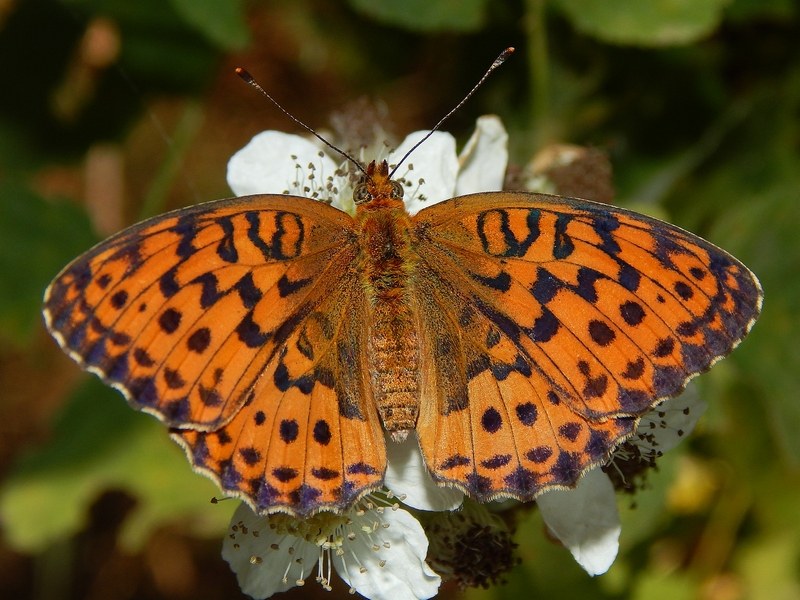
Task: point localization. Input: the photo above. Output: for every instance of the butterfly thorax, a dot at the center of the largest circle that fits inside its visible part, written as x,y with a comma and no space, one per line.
393,337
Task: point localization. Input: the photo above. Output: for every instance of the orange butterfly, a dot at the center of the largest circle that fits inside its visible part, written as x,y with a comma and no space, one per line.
521,335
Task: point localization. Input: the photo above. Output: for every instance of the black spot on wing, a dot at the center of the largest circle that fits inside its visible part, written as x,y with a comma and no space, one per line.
664,347
684,290
604,224
306,498
250,332
248,291
322,432
521,481
629,277
539,454
601,333
324,474
546,286
456,460
199,340
598,444
567,468
170,320
251,456
632,313
545,327
119,299
167,283
563,245
491,420
82,275
587,277
570,431
287,286
142,357
173,378
226,249
634,369
361,468
186,228
496,462
500,282
284,474
527,413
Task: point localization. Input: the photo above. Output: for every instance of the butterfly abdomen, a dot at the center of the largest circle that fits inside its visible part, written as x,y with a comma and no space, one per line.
393,348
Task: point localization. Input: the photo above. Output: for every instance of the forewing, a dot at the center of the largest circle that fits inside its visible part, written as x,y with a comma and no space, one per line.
214,318
558,323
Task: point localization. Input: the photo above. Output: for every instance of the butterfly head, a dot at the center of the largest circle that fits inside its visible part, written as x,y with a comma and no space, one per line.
376,189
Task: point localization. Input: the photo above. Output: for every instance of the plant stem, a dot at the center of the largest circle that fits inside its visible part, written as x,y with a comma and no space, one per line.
536,32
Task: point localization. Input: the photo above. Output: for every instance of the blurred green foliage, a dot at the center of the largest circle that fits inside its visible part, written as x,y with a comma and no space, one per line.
696,101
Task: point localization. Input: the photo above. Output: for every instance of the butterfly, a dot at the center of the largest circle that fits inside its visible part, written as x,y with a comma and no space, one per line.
520,335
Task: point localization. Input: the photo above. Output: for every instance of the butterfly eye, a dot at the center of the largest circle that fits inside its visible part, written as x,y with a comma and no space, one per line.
361,194
397,190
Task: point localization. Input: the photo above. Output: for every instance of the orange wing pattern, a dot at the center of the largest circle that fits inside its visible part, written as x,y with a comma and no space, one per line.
551,325
233,322
548,326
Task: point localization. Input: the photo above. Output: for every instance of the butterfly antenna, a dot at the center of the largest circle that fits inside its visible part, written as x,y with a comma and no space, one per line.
497,62
249,79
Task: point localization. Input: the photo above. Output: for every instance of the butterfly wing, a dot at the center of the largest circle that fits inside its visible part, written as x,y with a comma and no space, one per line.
551,325
231,322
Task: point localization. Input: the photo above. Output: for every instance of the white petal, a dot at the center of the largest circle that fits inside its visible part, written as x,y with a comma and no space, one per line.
673,419
265,165
484,159
403,545
435,162
586,520
407,476
263,577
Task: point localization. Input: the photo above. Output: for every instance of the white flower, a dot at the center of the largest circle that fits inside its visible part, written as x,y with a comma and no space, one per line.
408,478
585,518
274,163
378,551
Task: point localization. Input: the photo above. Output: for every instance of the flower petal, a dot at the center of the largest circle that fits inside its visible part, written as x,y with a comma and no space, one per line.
673,419
401,542
435,162
586,520
260,567
407,476
274,162
484,159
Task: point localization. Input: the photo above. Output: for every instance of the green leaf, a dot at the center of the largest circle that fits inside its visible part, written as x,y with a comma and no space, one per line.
37,238
221,21
425,15
769,565
652,585
651,23
774,10
100,444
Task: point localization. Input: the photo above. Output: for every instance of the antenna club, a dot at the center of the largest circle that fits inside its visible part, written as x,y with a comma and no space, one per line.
244,75
497,62
249,79
503,56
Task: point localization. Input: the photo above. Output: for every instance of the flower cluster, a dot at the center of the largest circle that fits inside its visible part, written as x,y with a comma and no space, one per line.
380,548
